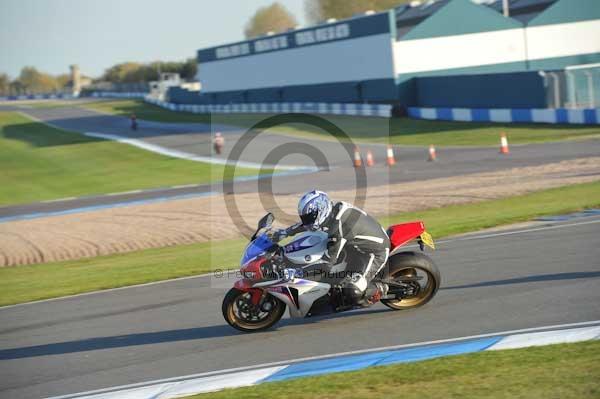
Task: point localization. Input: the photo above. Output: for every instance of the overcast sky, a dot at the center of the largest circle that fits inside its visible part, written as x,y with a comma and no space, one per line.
52,34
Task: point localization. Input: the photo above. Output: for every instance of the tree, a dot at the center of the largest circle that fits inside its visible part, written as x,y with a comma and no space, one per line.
321,10
189,69
273,18
33,81
62,80
4,84
133,72
122,73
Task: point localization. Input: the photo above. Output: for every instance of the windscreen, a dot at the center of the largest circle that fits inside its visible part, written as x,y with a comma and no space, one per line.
256,248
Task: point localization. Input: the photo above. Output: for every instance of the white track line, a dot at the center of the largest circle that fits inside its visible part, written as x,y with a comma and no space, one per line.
106,291
320,357
123,193
508,233
189,156
484,236
173,153
58,200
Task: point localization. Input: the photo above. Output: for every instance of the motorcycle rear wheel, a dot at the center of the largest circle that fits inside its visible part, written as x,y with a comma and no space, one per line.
233,309
407,266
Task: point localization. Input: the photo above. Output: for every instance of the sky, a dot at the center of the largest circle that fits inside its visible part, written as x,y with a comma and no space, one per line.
96,34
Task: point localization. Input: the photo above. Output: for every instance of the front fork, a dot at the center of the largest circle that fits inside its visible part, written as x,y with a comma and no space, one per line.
257,295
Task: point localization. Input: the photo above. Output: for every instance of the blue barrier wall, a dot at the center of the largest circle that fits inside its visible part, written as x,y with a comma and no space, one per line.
36,97
372,91
183,96
509,115
501,90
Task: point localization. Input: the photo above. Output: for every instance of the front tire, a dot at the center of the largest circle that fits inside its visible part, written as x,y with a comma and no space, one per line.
413,267
239,313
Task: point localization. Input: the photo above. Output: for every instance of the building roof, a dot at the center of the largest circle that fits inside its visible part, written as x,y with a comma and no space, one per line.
407,16
522,10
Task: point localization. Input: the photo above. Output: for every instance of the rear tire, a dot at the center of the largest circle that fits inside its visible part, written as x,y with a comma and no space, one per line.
411,264
235,318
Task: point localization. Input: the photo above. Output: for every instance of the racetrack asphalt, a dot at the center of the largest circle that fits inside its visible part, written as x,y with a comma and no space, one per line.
541,275
195,139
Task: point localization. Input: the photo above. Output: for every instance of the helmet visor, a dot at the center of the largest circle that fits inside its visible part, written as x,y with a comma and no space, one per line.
308,219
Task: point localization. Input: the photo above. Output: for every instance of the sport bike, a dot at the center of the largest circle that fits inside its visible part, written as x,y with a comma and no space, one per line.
258,300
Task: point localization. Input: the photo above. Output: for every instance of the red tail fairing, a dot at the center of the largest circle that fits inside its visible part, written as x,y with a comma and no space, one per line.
402,233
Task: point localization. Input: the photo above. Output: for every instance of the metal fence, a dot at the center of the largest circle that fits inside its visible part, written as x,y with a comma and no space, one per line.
576,86
583,86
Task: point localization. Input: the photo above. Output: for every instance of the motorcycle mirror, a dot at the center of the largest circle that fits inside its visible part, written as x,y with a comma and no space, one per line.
266,221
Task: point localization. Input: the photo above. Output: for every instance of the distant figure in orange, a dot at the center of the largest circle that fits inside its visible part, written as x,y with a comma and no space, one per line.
218,143
133,122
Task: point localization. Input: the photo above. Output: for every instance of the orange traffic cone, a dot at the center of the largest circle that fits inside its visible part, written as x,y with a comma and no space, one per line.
503,144
391,160
370,161
357,158
432,154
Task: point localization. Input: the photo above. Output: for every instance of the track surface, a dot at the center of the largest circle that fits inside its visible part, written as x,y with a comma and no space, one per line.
547,275
195,138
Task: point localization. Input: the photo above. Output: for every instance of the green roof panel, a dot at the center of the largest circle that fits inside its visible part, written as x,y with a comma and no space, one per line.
460,17
568,11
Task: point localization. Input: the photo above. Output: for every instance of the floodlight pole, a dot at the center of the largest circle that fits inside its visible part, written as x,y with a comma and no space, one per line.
505,8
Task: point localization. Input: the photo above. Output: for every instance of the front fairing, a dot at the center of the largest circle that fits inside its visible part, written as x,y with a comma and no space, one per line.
257,247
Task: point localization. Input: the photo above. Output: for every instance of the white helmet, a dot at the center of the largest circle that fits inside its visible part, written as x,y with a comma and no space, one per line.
314,208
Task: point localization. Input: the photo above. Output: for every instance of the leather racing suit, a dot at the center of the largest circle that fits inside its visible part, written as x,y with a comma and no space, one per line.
364,240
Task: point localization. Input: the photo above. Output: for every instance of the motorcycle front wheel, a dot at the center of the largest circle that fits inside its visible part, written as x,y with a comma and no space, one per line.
241,314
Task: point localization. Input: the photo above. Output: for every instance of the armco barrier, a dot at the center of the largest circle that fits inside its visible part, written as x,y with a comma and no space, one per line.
380,110
116,94
509,115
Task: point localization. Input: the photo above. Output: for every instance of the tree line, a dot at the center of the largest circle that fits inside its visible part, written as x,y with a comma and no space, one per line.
276,18
133,72
32,81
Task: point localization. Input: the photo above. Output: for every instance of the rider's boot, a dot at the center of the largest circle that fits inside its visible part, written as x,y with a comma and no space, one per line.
373,294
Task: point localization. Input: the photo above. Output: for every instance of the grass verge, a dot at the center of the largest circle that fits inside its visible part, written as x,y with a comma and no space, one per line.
50,280
555,371
39,162
400,130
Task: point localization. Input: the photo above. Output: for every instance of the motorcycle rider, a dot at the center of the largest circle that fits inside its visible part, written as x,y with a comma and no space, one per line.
351,229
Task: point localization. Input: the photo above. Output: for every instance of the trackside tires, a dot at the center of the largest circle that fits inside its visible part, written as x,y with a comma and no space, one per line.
418,271
240,314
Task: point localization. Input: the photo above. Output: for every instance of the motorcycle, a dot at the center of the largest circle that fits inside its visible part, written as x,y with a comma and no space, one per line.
273,277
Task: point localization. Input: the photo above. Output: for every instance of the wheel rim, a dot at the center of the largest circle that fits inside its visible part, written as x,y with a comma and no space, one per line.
241,311
426,286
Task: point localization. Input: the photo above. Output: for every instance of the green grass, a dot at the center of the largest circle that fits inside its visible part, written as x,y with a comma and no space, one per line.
457,219
33,282
146,111
38,162
400,130
562,371
50,280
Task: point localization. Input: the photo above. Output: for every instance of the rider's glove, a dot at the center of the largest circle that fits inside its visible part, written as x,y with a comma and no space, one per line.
277,235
